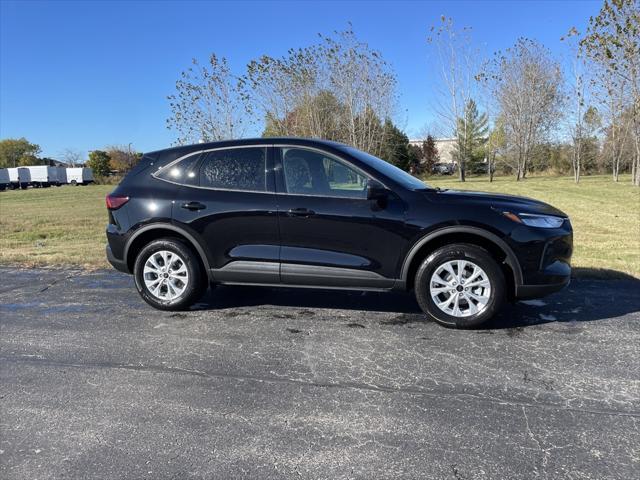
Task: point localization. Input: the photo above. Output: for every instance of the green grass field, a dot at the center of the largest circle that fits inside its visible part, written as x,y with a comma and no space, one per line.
65,226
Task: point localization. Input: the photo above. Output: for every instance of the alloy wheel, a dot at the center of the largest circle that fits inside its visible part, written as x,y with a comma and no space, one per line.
460,288
165,275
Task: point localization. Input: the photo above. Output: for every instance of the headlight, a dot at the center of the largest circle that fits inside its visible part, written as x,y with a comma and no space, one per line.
532,220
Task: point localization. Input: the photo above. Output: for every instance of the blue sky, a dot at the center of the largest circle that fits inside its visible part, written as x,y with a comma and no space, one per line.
85,75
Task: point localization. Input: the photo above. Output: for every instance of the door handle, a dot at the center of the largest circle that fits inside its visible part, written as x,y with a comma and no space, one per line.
300,212
193,206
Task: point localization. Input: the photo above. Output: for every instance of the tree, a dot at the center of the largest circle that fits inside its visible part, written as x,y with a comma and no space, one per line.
325,110
99,163
122,158
583,140
72,157
495,145
618,145
416,158
395,146
209,103
457,62
15,152
338,89
576,111
526,83
365,84
612,42
430,153
471,135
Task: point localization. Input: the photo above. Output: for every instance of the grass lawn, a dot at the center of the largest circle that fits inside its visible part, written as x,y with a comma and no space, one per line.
65,226
54,226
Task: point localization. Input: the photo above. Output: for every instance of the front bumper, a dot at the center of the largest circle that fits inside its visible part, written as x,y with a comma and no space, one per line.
545,260
524,292
554,271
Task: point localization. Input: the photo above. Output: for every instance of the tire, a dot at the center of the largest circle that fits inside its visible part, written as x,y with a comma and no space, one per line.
74,183
193,286
466,308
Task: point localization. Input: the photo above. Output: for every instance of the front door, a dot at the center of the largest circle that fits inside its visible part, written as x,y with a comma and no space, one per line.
231,208
330,234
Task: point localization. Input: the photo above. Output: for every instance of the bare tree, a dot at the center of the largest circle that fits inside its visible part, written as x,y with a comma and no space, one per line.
208,104
613,94
72,157
458,67
526,82
339,89
365,84
577,85
496,144
285,91
612,42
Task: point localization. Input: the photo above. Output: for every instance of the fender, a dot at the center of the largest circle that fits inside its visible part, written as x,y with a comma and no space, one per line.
168,226
511,259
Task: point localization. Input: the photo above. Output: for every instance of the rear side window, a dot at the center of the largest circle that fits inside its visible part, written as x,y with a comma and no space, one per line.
183,172
234,169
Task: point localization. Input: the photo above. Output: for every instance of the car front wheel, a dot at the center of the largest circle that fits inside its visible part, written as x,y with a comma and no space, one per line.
460,285
168,275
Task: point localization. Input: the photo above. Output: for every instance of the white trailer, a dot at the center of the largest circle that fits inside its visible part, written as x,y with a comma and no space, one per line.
79,175
43,175
5,181
62,176
19,177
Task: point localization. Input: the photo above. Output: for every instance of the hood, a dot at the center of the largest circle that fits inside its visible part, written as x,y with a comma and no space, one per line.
500,201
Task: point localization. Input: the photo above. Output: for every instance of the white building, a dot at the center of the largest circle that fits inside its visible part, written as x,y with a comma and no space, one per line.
445,147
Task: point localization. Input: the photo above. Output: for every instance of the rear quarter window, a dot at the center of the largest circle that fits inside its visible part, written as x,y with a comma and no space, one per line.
183,172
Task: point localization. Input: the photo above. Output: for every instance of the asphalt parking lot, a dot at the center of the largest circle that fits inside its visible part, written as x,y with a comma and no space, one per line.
279,383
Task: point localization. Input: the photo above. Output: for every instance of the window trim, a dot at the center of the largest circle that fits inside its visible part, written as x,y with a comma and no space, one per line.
207,150
279,169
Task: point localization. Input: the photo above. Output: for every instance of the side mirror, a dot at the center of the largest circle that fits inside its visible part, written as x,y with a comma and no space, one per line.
376,191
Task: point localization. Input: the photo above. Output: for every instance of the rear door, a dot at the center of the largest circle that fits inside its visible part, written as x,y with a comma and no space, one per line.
229,205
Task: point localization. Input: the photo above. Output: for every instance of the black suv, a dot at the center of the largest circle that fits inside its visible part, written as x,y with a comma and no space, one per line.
311,213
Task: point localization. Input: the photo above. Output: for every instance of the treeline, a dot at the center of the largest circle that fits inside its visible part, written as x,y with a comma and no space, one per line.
18,152
338,89
517,111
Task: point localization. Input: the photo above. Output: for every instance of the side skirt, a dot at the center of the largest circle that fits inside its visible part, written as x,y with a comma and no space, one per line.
243,272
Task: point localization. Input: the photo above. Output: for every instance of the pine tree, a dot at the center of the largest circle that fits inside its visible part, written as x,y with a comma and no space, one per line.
430,153
395,146
471,134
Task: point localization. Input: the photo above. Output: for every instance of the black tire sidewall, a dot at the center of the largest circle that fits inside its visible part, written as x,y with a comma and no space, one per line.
474,254
195,287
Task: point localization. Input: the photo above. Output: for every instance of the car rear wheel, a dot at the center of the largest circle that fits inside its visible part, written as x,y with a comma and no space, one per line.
168,275
460,285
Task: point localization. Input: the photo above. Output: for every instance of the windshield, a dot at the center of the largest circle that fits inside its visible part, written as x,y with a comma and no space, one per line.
391,171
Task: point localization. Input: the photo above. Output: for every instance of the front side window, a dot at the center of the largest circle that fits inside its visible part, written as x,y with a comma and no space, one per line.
309,172
396,174
235,169
182,172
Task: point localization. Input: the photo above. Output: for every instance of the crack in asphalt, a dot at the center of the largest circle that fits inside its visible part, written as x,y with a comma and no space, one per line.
43,289
298,382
